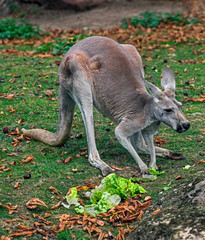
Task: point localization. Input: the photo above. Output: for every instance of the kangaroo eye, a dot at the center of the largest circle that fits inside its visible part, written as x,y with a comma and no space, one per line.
168,110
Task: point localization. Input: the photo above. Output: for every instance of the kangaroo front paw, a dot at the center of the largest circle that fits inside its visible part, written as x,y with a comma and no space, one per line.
95,161
106,170
153,166
145,174
176,156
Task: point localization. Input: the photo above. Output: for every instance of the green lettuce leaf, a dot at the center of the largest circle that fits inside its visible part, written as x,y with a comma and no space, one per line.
168,186
106,202
105,196
135,179
153,171
72,198
186,167
115,185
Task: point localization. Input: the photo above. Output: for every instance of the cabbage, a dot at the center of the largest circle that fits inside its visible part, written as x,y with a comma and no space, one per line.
116,185
106,202
105,196
72,198
136,179
153,171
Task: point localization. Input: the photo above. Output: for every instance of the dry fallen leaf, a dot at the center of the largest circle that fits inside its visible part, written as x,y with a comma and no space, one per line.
12,163
16,186
147,198
12,109
13,220
7,96
34,203
15,143
91,185
48,93
57,205
10,207
156,211
149,59
117,168
47,215
178,177
28,158
54,190
159,141
13,154
15,132
23,233
82,188
202,99
67,160
100,223
5,169
5,238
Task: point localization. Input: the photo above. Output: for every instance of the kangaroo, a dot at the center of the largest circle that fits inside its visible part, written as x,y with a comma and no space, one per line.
101,72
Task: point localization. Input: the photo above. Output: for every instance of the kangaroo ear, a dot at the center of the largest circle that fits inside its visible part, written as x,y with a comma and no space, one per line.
168,80
155,91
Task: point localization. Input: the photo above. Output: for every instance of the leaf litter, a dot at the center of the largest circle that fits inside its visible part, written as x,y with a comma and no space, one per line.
128,210
150,39
11,208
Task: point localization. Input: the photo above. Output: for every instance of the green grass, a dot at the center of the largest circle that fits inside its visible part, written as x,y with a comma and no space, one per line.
59,46
18,28
29,78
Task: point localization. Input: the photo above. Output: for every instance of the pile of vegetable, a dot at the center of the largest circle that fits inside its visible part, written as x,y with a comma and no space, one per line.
106,196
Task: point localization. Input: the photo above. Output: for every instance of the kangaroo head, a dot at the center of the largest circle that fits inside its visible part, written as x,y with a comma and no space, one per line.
166,108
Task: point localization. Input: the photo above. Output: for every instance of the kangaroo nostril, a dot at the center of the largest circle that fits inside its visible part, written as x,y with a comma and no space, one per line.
179,128
186,125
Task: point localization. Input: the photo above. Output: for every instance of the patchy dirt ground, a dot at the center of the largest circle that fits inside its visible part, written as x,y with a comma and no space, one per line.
181,214
105,16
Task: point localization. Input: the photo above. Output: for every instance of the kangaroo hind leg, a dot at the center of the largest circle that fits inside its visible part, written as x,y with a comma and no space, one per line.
139,144
82,94
66,111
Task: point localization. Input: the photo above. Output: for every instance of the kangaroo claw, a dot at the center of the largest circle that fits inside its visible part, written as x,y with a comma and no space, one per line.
145,174
107,170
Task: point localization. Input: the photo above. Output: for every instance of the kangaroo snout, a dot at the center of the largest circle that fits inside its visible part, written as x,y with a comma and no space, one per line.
183,127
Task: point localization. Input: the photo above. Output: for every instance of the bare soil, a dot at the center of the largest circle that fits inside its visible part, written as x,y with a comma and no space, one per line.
104,16
181,214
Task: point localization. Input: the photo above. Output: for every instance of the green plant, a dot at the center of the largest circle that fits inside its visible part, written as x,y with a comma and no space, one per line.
59,46
14,7
153,19
18,28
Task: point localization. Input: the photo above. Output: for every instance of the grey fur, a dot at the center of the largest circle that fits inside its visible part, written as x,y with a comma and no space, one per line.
98,71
